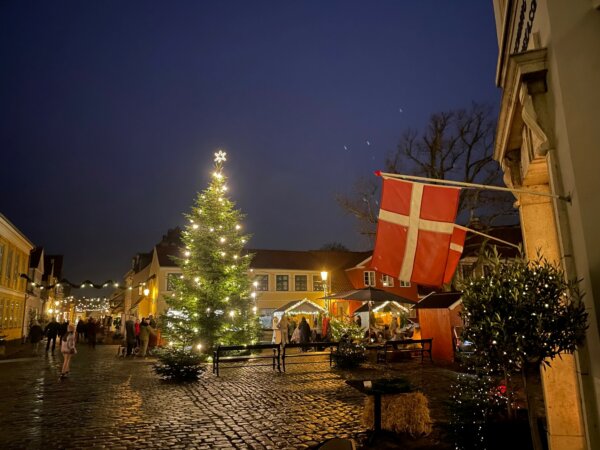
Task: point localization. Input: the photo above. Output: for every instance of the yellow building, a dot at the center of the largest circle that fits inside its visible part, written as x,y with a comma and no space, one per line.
14,261
547,141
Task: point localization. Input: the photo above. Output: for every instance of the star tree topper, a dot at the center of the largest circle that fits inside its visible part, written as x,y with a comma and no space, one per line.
220,157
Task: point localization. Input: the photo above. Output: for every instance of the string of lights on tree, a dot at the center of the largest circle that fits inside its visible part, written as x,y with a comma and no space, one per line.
212,300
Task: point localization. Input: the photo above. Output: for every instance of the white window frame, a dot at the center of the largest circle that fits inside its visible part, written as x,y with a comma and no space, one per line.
387,281
259,285
403,283
369,278
288,282
305,284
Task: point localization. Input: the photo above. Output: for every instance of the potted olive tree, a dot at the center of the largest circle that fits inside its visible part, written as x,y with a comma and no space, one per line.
519,317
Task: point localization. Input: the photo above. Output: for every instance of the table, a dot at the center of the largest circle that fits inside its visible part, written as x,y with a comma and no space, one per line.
377,388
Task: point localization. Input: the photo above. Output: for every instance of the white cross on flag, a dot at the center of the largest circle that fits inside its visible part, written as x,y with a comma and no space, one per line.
417,239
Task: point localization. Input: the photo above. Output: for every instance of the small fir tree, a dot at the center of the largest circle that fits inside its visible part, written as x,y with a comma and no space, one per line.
211,303
520,316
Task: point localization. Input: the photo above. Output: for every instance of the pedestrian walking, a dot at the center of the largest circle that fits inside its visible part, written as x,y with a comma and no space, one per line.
80,330
137,331
283,329
62,331
67,348
92,329
276,339
130,335
304,332
145,331
35,336
51,331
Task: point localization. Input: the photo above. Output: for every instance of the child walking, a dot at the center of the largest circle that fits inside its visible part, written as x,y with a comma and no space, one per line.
67,348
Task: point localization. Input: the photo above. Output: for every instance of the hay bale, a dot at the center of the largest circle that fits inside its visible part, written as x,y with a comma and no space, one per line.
401,413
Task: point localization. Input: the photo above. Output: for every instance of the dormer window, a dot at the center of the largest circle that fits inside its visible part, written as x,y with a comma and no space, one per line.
369,278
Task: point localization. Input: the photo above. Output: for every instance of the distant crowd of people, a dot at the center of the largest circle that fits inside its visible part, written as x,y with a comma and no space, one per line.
68,336
286,330
138,334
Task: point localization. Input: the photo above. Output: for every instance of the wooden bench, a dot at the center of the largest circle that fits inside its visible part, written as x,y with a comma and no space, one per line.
410,346
314,349
221,350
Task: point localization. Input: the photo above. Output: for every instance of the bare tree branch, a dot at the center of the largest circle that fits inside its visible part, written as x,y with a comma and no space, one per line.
454,145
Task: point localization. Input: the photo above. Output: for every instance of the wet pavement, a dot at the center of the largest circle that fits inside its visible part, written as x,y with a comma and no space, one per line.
112,402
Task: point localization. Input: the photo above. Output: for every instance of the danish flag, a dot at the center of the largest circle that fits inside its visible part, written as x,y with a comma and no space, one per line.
417,239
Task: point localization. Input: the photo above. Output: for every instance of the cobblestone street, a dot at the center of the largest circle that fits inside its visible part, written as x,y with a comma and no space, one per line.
109,402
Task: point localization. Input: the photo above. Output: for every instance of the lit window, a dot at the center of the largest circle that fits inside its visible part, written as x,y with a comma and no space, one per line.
387,281
317,283
369,277
262,282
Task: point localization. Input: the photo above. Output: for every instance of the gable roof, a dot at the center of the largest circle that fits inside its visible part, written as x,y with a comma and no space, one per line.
35,256
333,261
164,254
316,260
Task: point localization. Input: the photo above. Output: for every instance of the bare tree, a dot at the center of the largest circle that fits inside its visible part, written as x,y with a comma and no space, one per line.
455,145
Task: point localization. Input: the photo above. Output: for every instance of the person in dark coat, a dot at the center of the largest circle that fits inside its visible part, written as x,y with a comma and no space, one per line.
130,337
62,332
304,332
35,336
80,330
51,331
92,329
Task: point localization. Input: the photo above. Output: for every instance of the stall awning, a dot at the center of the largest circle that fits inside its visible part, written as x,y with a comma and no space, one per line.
383,307
304,306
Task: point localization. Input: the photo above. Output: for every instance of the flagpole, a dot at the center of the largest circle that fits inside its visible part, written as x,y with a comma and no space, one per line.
487,236
472,185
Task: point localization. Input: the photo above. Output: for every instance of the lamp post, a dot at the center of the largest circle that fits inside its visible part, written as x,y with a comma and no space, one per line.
324,275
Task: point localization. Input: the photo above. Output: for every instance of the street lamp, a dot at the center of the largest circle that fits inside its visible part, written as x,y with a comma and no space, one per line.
324,281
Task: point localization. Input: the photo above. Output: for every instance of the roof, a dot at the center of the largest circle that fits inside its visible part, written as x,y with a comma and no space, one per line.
383,307
34,257
304,306
370,294
305,260
333,261
165,254
439,300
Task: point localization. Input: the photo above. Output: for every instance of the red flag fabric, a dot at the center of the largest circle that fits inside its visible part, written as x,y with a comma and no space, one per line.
415,232
457,243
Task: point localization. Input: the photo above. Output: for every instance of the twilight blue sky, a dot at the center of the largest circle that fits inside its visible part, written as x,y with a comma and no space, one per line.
110,112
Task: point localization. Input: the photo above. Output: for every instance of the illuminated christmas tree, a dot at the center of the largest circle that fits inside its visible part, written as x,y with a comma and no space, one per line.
212,302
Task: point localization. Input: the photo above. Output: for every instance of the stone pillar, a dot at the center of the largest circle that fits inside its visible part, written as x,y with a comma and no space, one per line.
560,382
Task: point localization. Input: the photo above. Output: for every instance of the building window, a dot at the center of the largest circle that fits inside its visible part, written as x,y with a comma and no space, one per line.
387,281
317,283
300,283
1,259
8,264
282,283
404,283
171,277
369,277
262,282
16,272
